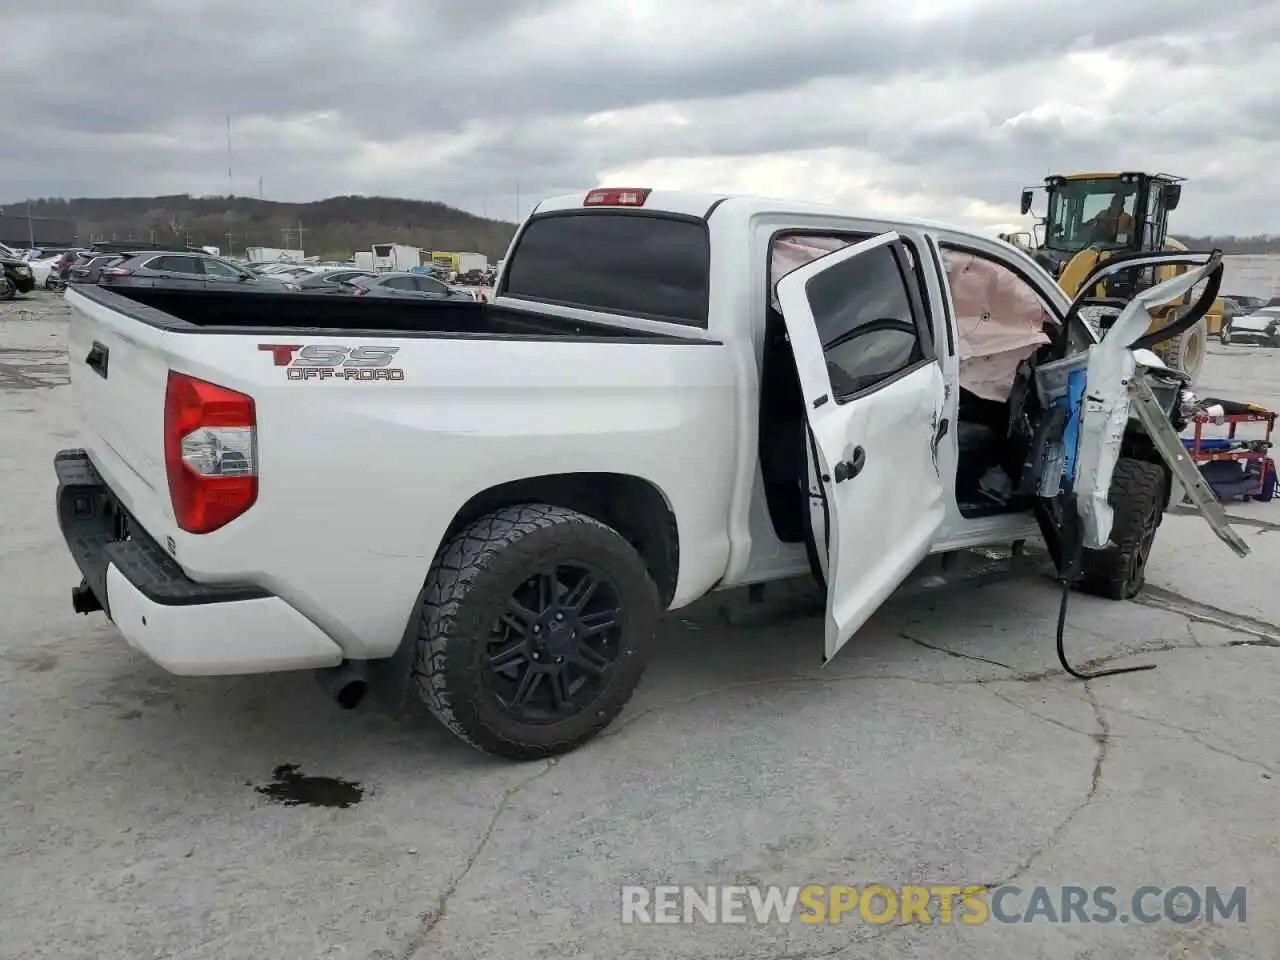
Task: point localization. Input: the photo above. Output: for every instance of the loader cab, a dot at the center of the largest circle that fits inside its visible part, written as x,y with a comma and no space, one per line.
1111,212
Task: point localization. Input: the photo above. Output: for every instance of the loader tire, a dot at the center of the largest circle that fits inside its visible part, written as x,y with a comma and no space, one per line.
511,657
1137,497
1191,348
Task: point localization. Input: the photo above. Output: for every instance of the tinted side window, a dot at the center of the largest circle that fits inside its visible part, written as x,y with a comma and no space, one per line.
400,283
427,285
175,264
636,265
865,320
219,269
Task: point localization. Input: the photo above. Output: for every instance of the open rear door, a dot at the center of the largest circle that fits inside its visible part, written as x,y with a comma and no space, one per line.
875,395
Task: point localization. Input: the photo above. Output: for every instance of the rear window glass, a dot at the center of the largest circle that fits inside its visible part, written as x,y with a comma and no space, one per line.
652,267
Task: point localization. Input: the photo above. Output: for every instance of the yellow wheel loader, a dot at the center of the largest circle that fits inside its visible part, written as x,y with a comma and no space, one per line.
1092,217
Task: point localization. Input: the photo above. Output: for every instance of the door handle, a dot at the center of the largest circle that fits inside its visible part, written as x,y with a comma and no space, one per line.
97,359
848,469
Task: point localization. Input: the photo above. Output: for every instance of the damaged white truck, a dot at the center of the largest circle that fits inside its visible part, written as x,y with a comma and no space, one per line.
491,505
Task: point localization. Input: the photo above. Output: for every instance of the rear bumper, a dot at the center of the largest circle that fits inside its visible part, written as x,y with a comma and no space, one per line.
189,628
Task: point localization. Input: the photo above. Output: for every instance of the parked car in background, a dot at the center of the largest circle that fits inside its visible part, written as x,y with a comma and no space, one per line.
43,262
15,274
331,281
1237,305
1260,326
272,269
58,273
184,270
413,285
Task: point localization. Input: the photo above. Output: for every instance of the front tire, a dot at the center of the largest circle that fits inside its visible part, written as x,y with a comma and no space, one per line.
1137,498
7,290
535,626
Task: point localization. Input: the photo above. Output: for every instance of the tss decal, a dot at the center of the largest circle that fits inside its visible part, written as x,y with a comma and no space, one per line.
323,361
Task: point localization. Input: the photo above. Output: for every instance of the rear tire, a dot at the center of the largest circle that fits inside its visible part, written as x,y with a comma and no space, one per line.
1137,498
7,290
513,669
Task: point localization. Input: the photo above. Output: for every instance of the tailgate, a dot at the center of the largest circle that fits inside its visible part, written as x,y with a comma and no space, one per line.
119,373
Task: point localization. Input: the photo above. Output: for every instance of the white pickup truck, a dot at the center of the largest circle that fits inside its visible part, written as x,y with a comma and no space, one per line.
492,504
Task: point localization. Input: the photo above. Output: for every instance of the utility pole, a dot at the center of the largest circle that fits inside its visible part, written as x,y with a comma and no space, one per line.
231,185
31,229
260,186
230,236
300,246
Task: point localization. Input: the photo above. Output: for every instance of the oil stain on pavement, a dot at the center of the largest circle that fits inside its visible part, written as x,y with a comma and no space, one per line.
291,788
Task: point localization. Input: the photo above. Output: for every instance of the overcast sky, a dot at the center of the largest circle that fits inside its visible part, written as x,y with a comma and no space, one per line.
939,108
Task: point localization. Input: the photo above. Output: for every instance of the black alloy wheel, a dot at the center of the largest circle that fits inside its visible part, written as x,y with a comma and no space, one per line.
552,647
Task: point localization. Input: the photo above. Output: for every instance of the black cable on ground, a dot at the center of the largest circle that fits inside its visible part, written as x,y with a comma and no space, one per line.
1070,565
1062,654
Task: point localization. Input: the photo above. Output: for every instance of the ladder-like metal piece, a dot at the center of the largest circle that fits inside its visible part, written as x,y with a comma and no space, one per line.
1153,417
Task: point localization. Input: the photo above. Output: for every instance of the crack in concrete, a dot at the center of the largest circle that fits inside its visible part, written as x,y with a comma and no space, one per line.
1103,739
952,653
431,919
1196,737
1235,520
987,687
1184,606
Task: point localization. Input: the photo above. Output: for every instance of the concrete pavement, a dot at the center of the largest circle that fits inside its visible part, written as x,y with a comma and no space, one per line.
942,746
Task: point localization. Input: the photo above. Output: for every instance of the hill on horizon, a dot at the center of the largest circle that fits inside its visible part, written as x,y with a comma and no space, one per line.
336,227
332,228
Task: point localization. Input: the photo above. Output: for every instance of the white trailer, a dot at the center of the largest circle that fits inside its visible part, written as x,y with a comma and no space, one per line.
396,256
273,255
363,259
472,262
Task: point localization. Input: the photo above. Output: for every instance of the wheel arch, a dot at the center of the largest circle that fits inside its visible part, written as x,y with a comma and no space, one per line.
637,508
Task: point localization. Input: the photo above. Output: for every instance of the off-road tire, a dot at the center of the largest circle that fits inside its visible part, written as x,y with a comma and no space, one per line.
470,583
1137,499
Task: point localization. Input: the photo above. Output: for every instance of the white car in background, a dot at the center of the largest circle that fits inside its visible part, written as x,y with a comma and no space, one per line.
42,267
1261,326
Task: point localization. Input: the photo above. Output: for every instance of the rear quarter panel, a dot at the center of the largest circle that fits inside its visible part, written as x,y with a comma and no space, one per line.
359,480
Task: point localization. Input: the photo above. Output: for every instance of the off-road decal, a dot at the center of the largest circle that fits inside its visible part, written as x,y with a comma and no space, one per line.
336,364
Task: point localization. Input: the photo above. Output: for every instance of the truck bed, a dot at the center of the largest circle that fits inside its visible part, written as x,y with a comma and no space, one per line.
243,311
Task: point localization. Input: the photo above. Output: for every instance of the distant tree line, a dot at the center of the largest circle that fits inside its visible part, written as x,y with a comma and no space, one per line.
332,228
1263,243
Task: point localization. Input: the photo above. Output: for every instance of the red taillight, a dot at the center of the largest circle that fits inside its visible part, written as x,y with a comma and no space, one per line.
210,452
361,291
617,197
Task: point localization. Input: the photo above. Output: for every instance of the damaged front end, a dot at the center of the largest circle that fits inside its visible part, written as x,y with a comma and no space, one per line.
1099,392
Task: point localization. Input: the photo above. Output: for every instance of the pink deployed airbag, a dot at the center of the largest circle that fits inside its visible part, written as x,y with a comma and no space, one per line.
1001,322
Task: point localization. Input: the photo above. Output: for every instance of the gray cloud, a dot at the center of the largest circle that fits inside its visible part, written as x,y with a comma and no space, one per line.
470,103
